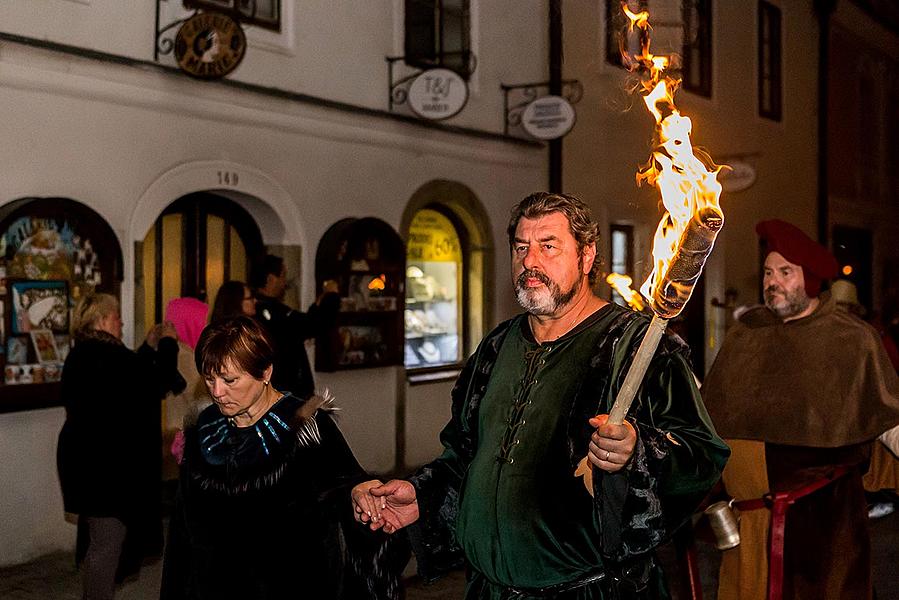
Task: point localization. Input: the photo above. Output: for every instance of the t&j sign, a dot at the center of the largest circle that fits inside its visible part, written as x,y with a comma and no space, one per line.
438,94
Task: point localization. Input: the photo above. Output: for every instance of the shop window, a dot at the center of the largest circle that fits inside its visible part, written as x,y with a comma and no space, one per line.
263,13
621,255
365,257
438,34
697,50
434,291
52,252
769,67
199,242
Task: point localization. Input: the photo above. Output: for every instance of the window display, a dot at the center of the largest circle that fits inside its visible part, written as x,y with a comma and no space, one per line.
433,314
365,257
52,251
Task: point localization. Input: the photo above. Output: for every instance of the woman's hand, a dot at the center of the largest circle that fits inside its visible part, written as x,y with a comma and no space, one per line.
367,508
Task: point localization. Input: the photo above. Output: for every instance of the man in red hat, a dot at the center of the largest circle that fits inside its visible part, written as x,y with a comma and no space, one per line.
800,391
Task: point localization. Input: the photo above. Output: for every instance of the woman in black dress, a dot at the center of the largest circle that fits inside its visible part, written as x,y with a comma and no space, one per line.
265,485
108,453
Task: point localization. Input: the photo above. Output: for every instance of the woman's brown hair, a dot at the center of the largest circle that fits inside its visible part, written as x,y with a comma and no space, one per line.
238,340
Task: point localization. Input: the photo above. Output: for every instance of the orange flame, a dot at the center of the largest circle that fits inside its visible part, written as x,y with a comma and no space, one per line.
378,283
686,178
622,285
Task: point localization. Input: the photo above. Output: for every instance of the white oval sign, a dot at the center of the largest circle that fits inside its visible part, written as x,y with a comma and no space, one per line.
739,177
438,94
548,117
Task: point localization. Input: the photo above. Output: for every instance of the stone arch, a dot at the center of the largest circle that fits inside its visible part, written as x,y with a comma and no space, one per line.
275,211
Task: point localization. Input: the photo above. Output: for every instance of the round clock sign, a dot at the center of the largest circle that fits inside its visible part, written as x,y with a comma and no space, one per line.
210,45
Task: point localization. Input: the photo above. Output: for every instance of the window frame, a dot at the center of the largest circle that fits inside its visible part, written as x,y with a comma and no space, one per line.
613,43
770,61
233,8
437,55
702,45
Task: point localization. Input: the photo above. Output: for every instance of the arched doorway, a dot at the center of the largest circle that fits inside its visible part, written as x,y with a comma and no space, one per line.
198,242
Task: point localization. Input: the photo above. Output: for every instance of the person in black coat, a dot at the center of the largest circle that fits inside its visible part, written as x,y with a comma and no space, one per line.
108,453
289,328
264,509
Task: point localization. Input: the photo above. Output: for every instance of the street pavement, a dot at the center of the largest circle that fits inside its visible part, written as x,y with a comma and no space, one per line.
53,577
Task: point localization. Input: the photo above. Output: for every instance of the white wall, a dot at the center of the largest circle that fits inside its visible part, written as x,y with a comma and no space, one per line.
31,513
332,50
127,140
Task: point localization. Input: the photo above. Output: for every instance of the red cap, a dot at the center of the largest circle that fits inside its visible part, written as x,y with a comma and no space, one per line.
791,242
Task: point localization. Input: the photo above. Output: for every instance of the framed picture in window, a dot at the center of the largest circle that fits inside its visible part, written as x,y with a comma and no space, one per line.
39,305
44,346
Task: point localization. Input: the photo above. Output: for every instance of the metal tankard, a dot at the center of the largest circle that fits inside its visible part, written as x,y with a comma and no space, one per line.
725,524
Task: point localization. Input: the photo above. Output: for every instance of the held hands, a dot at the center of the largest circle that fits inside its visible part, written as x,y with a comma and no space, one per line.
611,446
390,506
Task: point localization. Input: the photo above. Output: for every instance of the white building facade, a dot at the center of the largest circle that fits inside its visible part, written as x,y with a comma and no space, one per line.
298,138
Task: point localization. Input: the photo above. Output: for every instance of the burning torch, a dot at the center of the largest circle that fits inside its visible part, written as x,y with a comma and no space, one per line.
687,180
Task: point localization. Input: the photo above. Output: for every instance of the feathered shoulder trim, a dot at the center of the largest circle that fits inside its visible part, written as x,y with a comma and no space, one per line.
228,460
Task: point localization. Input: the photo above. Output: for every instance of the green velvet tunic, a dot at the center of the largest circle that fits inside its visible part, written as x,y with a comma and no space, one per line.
523,514
504,488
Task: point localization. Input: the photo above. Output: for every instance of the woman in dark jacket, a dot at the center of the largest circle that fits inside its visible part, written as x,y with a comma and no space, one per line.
265,484
108,453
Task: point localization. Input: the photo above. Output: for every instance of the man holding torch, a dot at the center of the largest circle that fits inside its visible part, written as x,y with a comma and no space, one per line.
530,404
800,390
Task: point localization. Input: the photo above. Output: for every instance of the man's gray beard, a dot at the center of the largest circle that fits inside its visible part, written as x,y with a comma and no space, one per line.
797,301
546,301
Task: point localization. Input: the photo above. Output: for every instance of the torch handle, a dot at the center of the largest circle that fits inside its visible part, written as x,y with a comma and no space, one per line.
637,370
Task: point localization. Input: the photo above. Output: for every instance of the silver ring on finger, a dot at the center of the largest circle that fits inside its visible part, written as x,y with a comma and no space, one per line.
608,454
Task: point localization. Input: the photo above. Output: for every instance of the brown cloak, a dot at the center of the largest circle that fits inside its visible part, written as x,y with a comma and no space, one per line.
822,381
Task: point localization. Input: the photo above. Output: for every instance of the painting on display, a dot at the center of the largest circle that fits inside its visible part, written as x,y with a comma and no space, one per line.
39,305
50,249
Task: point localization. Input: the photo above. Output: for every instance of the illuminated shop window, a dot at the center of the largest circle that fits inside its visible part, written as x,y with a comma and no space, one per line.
434,275
622,260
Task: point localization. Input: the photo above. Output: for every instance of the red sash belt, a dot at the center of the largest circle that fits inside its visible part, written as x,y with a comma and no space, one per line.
778,502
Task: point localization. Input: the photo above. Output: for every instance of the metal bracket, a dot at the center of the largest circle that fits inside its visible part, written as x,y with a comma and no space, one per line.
517,97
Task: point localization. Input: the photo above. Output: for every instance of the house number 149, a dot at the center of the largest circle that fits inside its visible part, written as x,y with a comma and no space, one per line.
228,178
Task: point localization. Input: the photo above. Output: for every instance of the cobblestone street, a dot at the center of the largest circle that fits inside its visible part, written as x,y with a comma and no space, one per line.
54,577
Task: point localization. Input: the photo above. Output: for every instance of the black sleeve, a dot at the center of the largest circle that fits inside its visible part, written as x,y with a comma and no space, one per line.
161,366
318,320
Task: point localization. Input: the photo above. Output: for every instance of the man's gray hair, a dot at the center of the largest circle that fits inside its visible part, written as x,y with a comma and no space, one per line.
580,221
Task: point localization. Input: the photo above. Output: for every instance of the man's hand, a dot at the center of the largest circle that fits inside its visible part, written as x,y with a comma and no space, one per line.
395,505
611,446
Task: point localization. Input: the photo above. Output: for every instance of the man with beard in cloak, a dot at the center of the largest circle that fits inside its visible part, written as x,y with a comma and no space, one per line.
530,404
800,390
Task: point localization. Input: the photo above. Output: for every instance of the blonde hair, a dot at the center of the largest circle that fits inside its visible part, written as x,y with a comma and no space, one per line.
91,309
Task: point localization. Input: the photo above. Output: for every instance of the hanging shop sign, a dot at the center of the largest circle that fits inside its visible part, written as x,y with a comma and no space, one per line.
210,45
740,176
548,117
438,94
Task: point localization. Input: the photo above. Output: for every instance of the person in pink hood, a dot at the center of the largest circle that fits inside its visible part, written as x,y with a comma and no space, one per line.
188,315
